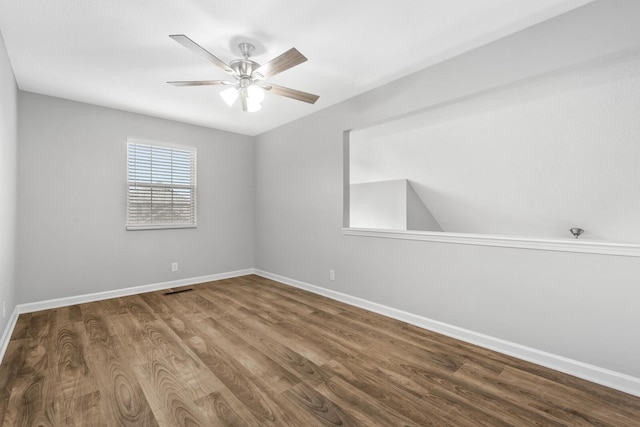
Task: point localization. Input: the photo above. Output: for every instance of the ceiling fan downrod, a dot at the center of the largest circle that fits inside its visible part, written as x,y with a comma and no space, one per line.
246,49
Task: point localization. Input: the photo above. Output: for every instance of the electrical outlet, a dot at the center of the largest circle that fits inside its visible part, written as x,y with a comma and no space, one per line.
174,266
332,275
4,309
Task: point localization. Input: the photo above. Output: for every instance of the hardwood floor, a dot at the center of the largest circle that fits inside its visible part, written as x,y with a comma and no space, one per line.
249,352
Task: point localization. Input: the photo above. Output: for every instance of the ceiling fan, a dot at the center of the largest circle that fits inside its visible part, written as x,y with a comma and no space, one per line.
249,76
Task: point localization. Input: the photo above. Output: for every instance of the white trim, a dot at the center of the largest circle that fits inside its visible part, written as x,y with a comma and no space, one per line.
98,296
568,245
606,377
165,144
8,330
160,227
596,374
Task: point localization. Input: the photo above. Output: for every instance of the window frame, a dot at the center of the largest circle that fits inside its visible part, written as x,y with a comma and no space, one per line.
193,186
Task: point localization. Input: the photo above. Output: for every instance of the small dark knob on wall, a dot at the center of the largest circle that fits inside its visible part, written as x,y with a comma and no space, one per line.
576,232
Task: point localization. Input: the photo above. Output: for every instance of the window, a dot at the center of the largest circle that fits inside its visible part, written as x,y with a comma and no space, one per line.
161,186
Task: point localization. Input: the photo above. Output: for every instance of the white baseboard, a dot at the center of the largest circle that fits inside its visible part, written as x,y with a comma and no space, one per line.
98,296
596,374
606,377
8,330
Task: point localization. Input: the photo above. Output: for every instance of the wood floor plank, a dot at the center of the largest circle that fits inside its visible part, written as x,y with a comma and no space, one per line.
438,375
427,339
33,394
87,412
296,297
235,377
287,303
592,413
367,410
268,332
250,351
361,340
68,365
216,402
35,388
316,337
518,394
170,401
297,366
36,357
320,406
396,333
265,310
121,394
223,409
468,398
11,363
394,397
22,325
259,363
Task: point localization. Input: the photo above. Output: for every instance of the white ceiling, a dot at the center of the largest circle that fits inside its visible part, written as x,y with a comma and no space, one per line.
117,53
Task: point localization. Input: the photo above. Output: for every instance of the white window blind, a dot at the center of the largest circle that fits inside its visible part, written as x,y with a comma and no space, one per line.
161,186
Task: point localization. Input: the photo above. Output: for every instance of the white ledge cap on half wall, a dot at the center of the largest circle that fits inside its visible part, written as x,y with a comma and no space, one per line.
568,245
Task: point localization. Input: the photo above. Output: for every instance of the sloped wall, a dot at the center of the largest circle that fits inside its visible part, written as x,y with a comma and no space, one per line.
419,216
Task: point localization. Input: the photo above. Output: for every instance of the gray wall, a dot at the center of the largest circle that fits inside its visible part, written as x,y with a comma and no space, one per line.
8,177
580,306
71,200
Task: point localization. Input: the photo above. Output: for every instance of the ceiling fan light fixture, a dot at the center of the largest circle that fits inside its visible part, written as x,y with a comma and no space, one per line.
255,94
229,95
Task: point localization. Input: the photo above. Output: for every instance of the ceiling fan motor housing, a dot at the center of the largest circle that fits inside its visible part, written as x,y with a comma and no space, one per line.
243,67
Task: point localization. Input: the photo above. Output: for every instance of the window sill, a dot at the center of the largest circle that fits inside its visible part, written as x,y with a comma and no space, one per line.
580,246
159,227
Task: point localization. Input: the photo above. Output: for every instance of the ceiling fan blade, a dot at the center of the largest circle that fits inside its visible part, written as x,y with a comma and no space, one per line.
281,63
196,48
292,93
201,83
